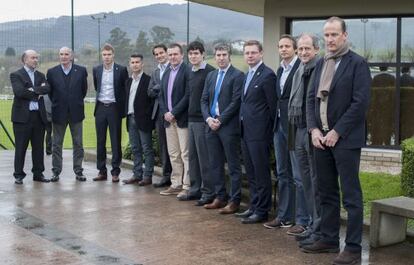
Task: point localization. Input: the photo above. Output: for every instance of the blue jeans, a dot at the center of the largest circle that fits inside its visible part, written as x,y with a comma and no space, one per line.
286,188
302,216
141,144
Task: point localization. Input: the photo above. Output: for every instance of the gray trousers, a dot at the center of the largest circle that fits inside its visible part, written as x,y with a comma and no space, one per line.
201,182
305,159
58,136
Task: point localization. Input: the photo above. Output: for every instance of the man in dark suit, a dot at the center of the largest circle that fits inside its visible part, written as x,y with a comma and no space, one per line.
109,81
286,168
160,54
174,107
68,87
336,110
29,116
139,123
257,113
220,104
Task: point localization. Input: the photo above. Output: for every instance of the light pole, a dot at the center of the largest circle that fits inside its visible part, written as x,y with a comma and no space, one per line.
99,18
365,20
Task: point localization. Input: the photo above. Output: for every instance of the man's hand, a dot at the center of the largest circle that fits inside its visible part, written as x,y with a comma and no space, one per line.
331,138
214,124
169,117
317,138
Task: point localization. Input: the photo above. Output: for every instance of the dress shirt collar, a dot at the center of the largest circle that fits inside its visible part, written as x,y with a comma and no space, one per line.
290,65
162,67
176,67
110,68
137,77
201,67
225,69
29,70
254,68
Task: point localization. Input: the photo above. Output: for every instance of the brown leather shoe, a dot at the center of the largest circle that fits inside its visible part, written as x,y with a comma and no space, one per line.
230,208
145,182
347,258
101,177
131,181
216,204
115,178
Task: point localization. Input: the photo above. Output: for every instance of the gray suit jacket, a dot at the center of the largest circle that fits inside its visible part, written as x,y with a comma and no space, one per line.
154,91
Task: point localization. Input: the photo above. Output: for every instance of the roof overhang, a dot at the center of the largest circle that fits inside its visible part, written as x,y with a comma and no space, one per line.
255,8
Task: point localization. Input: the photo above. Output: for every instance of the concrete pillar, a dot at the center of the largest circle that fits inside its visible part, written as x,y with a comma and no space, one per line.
273,27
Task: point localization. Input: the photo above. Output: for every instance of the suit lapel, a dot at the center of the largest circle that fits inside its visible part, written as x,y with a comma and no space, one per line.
279,75
290,76
255,77
116,78
73,73
99,77
341,68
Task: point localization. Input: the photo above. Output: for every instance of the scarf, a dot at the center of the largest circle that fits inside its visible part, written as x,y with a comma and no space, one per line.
295,110
328,70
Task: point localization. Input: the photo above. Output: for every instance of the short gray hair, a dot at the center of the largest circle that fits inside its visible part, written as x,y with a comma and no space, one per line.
315,39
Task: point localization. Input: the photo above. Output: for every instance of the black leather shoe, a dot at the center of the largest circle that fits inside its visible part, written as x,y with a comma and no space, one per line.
54,178
165,182
80,178
320,247
41,179
18,181
203,201
253,219
244,214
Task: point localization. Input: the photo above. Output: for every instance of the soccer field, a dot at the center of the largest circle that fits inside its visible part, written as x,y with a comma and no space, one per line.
89,135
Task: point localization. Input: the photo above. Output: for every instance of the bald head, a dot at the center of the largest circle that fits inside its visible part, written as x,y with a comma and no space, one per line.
30,59
66,56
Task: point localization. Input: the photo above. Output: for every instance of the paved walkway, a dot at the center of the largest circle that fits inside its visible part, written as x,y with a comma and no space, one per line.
105,223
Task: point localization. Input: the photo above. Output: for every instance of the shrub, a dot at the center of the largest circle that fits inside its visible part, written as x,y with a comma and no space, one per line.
407,173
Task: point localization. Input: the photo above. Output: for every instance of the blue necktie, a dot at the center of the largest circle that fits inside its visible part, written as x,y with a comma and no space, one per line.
248,79
216,94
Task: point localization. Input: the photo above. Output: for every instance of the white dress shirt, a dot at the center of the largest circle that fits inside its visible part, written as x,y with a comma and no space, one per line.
133,92
107,94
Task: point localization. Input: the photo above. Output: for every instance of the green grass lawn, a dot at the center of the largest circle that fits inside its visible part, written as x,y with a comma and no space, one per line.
89,134
378,186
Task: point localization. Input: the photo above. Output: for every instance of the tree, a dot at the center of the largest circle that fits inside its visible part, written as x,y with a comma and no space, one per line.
142,43
161,34
10,51
122,45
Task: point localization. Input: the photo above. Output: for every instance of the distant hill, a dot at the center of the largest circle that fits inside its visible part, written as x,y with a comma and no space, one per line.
206,22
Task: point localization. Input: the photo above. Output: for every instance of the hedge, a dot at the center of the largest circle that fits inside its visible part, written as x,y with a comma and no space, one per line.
407,172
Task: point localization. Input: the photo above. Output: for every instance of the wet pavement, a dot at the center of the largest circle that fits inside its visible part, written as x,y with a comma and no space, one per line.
105,223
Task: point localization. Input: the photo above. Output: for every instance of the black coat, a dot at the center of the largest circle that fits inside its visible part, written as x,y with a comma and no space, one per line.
67,102
21,84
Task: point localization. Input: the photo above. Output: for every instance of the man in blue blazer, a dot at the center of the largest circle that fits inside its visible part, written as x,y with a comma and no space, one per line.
109,81
68,87
173,101
29,116
336,112
220,104
257,114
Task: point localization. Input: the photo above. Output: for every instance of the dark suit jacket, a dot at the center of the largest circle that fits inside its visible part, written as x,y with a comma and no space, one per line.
67,102
347,103
283,99
120,77
258,105
21,83
228,100
143,104
179,96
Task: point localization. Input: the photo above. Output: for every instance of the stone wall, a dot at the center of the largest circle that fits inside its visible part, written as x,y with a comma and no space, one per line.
381,160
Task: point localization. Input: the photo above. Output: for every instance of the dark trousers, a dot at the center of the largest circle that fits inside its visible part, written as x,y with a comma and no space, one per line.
34,132
163,150
222,147
257,165
331,163
108,116
48,138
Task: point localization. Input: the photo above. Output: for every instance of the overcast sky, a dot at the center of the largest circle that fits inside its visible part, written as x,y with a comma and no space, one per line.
12,10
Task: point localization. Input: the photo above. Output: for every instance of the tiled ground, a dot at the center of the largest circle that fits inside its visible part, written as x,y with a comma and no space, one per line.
105,223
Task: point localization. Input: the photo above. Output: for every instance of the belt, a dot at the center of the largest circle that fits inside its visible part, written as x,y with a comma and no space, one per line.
106,104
